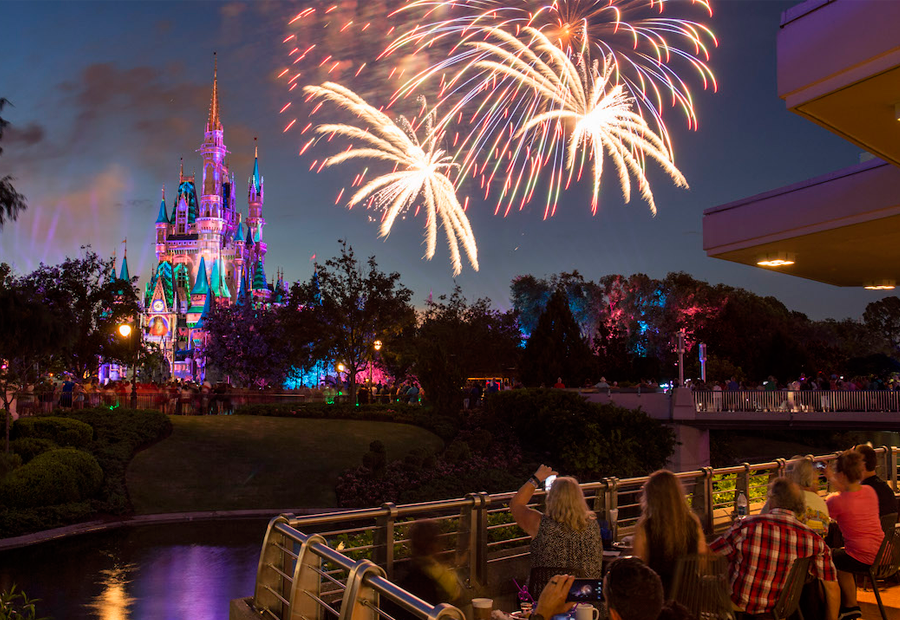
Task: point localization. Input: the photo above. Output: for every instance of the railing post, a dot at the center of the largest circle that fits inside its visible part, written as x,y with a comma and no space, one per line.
780,470
702,499
383,538
472,537
742,485
889,462
612,491
307,580
271,585
360,600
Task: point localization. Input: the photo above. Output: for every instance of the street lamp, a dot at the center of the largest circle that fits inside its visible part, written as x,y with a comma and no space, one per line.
125,331
377,346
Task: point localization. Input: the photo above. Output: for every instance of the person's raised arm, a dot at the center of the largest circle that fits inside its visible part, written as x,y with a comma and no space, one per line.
527,518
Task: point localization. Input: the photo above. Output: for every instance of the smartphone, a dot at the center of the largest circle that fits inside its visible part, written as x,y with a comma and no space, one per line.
585,591
548,482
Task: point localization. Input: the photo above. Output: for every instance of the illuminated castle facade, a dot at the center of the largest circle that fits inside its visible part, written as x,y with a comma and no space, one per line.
206,253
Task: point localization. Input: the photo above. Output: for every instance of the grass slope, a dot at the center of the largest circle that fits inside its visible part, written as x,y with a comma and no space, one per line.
247,462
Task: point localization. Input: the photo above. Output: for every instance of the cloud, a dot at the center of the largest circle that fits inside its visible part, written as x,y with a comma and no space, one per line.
29,135
66,216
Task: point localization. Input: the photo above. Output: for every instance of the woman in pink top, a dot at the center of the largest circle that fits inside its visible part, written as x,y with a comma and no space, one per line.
855,509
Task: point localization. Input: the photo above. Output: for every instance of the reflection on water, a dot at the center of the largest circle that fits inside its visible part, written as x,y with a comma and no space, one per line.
165,572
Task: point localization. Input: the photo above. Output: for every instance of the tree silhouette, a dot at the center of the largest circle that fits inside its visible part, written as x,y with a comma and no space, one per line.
557,349
11,201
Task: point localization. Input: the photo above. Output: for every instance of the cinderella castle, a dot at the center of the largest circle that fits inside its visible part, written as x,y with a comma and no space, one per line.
206,254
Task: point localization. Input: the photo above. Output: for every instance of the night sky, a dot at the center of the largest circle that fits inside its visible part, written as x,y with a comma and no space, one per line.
108,96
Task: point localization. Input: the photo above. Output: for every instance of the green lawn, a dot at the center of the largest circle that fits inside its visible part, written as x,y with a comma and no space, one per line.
247,462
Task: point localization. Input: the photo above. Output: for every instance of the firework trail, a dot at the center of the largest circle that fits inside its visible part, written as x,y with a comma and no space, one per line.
420,170
581,102
645,51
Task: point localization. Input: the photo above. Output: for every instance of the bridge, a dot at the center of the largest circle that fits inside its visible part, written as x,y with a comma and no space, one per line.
341,565
693,414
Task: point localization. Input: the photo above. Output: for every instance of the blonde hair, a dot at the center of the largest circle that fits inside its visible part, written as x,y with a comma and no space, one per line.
803,473
566,504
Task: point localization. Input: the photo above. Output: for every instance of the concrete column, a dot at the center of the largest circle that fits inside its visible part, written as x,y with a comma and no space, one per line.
692,449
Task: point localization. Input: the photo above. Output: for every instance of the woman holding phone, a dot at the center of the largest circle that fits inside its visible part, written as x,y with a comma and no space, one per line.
567,539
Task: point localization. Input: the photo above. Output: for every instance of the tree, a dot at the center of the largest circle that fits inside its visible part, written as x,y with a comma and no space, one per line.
556,348
11,201
457,340
83,298
882,317
249,343
29,335
353,306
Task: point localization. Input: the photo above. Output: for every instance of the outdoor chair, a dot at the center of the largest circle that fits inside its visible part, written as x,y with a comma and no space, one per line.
788,602
889,523
700,583
886,564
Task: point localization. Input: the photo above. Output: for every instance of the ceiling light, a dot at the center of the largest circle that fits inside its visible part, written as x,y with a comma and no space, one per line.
880,285
776,259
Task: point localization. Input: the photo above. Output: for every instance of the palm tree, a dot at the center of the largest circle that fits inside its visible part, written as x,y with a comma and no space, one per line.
11,201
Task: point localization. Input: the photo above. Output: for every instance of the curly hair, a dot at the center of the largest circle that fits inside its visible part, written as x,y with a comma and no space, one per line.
566,504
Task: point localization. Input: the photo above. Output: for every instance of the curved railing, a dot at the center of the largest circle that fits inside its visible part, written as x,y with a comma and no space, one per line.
355,553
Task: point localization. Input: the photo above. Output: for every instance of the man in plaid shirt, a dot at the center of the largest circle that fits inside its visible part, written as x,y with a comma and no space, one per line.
760,550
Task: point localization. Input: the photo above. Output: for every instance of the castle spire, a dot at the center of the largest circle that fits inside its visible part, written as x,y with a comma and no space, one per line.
163,217
181,172
256,179
213,124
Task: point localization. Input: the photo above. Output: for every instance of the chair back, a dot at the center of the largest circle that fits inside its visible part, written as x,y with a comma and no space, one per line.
889,522
700,583
887,562
789,600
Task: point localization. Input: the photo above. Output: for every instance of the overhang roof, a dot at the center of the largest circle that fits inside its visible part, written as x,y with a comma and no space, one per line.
839,66
842,228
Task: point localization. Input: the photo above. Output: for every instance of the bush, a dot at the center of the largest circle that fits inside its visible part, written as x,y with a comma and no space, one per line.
61,431
30,447
444,427
55,477
579,438
9,462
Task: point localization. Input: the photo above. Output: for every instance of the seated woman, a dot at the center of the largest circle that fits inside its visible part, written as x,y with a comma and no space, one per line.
855,509
667,529
567,539
803,473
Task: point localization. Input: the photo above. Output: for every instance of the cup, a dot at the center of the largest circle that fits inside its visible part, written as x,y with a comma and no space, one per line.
587,612
482,607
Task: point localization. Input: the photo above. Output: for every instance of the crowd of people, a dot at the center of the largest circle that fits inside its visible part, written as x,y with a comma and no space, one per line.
839,536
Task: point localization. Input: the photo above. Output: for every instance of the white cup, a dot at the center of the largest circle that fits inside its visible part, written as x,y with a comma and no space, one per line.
587,612
613,515
482,607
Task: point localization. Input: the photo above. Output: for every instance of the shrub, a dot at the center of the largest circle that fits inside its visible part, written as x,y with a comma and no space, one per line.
30,447
62,431
579,438
9,462
55,477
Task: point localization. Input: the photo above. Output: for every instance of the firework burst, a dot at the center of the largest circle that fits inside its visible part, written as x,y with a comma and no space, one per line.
580,101
419,172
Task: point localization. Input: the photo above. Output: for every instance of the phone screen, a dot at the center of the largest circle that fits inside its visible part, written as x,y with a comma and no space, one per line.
549,482
585,591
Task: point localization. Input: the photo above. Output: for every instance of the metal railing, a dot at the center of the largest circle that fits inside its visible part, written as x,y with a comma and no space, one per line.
789,401
372,541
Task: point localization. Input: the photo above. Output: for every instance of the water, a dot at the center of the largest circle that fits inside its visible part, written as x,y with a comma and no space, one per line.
160,572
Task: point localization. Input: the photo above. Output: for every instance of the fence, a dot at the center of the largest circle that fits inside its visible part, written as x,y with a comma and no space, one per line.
798,400
372,541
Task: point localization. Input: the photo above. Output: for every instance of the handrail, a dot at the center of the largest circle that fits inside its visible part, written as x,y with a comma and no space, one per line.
797,401
289,575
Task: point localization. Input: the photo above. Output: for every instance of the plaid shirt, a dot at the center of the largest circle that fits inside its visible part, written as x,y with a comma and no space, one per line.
760,551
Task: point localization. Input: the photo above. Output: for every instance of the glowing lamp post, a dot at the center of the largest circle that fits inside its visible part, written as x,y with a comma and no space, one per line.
125,331
377,346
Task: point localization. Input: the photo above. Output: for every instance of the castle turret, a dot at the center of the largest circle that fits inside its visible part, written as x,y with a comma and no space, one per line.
162,227
255,199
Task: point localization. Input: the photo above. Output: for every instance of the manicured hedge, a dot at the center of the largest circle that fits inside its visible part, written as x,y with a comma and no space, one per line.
56,477
444,427
117,435
61,431
30,447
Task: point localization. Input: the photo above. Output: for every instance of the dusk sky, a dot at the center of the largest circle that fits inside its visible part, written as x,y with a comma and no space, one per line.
107,96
